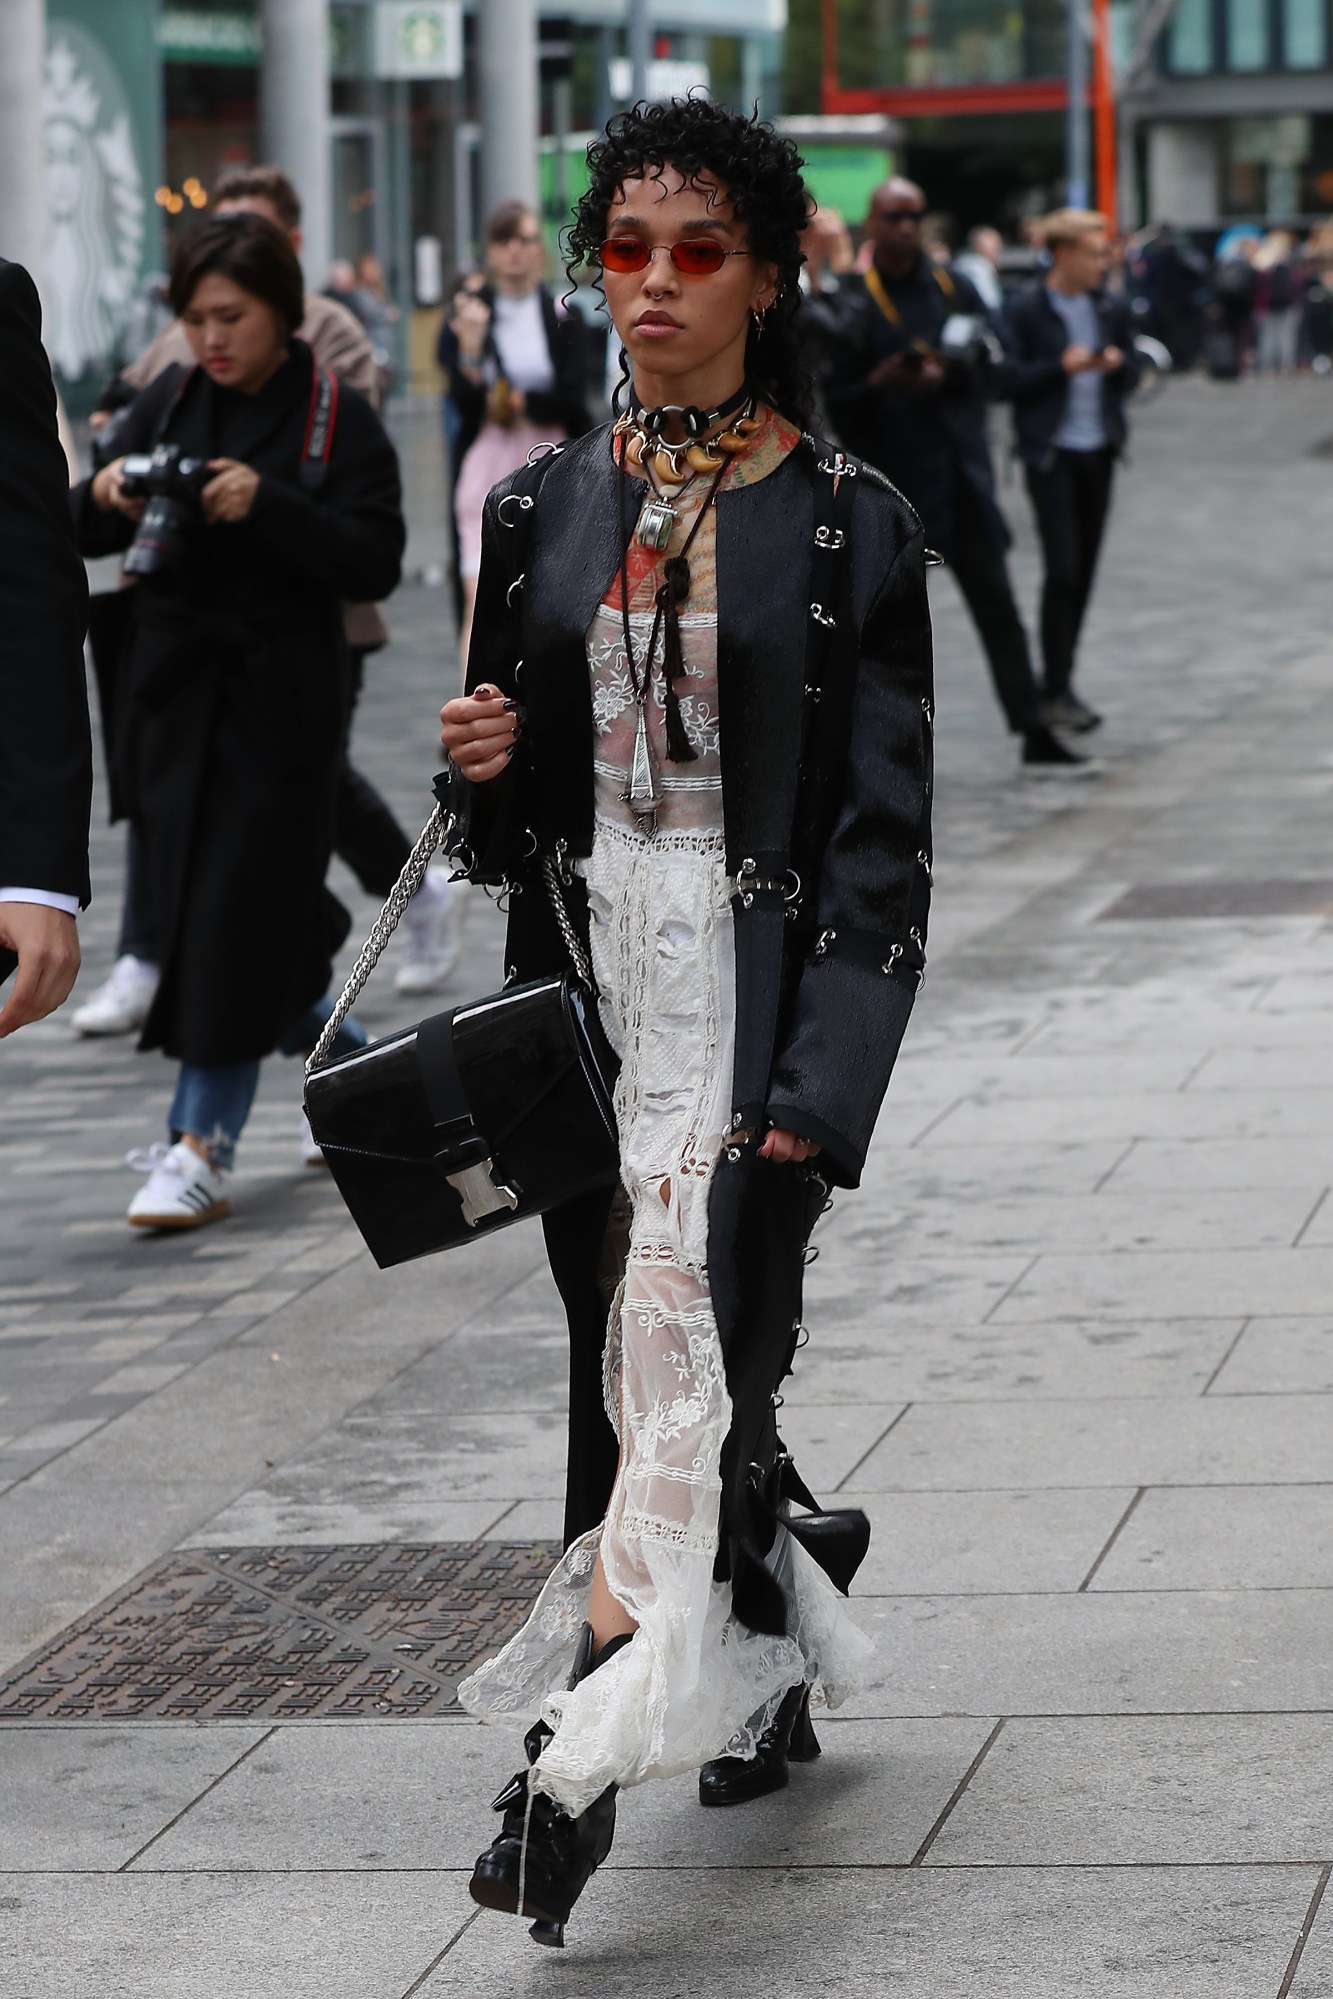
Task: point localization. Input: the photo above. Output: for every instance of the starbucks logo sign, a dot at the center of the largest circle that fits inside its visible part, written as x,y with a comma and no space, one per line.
95,204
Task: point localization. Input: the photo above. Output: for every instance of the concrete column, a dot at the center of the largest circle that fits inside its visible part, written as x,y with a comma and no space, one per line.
509,103
294,118
22,139
1183,173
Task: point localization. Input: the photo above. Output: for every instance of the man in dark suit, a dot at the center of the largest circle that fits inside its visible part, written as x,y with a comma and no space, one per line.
902,395
46,771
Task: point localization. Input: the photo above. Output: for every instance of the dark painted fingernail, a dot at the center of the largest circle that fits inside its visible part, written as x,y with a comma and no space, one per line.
510,751
513,707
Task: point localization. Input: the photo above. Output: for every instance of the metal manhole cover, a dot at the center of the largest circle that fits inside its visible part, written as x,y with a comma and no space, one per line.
1150,901
219,1634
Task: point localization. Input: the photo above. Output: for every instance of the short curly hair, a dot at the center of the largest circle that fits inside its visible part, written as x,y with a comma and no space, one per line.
761,174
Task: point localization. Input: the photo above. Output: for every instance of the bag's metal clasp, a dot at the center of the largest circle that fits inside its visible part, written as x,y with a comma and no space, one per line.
480,1192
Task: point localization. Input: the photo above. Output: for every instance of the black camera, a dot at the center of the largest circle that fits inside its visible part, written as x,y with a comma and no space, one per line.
171,484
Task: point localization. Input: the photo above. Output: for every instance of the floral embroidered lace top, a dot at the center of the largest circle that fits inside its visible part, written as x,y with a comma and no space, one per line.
691,792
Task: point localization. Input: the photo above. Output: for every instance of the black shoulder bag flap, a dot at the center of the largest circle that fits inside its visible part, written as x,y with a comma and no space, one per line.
477,1117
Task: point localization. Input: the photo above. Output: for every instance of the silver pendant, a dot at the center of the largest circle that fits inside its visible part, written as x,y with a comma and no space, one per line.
657,517
644,794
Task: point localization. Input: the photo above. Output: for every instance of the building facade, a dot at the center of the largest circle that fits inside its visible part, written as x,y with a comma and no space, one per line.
1232,119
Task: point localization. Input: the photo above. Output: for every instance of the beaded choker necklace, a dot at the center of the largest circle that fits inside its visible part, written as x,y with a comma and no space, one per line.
674,465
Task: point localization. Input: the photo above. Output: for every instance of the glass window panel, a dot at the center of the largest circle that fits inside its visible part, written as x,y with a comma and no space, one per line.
1247,34
1189,41
1305,33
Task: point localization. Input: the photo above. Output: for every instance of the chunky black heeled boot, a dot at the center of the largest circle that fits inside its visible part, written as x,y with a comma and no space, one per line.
542,1859
789,1738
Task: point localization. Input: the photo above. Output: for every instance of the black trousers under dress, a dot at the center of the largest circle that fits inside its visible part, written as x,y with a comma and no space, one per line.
1071,498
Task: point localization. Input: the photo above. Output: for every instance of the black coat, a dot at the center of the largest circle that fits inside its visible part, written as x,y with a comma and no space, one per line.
233,699
46,773
564,407
926,444
825,981
1035,338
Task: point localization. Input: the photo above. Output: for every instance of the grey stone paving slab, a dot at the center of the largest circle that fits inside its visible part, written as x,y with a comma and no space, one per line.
1122,1791
1154,1653
1220,1165
77,1798
1163,1284
400,1477
1188,1933
1260,1439
889,1361
947,1543
417,1795
1236,1537
958,1290
1216,1115
1314,1979
918,1076
829,1440
334,1797
1248,1068
1104,1221
1280,1356
269,1517
234,1936
955,1174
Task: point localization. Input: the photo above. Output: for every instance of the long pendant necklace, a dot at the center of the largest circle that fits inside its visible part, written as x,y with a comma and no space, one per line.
643,791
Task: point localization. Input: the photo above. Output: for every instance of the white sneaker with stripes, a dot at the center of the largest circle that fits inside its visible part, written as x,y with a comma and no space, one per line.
183,1191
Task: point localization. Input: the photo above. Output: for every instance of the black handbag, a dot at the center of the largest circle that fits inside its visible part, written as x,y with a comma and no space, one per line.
478,1117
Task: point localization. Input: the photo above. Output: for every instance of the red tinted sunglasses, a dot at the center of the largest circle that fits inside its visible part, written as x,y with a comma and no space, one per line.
695,257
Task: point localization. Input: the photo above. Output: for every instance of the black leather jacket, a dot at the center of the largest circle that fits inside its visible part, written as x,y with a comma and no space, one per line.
1035,338
827,828
826,973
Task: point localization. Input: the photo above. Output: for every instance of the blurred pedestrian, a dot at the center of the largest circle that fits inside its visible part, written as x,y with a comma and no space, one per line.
1277,303
268,493
1229,342
980,264
367,834
514,361
908,390
46,773
374,307
1072,353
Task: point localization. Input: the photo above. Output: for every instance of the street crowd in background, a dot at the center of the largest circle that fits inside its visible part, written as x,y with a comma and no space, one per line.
930,355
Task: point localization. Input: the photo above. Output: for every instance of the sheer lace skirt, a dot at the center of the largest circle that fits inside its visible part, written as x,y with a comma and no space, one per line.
693,1683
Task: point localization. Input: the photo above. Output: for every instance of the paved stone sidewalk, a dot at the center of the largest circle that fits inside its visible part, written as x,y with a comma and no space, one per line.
1072,1348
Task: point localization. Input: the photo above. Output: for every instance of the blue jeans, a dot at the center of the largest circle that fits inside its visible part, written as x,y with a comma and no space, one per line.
213,1103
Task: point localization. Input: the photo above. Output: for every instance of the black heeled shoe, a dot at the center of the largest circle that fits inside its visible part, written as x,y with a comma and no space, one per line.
542,1858
789,1738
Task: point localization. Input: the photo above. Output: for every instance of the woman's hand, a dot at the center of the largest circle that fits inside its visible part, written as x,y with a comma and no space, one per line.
231,495
108,492
470,321
785,1148
480,733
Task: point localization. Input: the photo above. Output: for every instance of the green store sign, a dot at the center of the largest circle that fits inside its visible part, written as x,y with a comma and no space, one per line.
212,36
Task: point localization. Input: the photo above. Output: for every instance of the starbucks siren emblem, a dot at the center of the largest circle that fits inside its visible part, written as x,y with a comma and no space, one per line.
95,205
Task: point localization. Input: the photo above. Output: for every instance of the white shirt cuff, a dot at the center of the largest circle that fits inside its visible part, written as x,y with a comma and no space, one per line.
45,898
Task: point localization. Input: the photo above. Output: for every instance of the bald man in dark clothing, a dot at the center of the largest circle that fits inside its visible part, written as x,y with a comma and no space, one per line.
899,400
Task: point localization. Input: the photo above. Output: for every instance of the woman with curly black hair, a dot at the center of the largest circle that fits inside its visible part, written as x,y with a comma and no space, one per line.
700,683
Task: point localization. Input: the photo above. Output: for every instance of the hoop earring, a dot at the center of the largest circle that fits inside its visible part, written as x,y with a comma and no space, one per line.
624,386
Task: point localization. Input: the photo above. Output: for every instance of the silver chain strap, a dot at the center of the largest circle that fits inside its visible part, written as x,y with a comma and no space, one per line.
578,957
406,886
434,832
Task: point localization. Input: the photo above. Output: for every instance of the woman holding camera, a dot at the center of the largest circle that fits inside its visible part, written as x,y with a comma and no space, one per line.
255,495
700,692
515,364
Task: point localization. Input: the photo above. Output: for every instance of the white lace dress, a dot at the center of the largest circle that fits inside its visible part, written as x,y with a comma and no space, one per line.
693,1683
